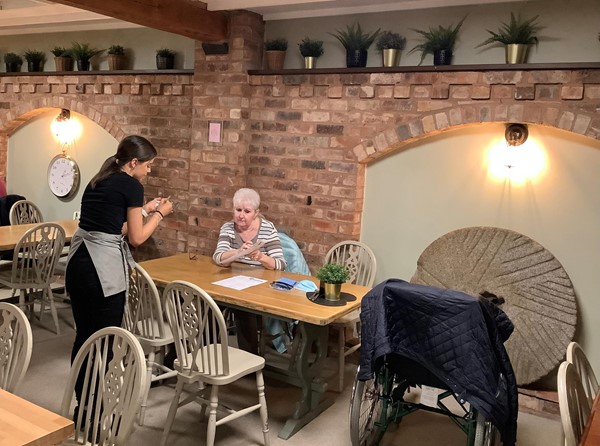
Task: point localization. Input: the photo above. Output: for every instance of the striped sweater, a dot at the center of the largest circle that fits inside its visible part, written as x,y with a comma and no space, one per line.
230,239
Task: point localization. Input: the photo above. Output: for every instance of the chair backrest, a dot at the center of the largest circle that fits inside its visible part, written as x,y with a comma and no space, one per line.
358,259
24,212
16,342
574,406
144,316
199,329
577,357
114,377
35,255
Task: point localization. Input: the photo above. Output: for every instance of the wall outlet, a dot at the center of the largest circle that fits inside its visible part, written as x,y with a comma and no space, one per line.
76,215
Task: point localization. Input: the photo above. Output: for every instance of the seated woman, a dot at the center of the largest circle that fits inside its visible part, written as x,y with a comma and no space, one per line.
247,230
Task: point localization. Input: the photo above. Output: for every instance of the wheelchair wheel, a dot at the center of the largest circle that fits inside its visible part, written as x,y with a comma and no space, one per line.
486,433
366,409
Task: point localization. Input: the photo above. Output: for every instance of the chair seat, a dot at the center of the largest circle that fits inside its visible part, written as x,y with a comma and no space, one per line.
6,280
156,342
241,363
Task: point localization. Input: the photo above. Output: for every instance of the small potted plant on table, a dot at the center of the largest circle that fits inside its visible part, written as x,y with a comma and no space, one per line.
516,36
390,45
275,50
13,62
82,53
35,60
357,44
438,41
116,57
332,277
165,59
310,50
62,58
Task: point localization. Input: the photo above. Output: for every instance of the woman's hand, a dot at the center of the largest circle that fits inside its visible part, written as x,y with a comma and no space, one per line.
165,206
152,205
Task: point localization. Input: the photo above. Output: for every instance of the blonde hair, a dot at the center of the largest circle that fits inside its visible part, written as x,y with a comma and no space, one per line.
246,195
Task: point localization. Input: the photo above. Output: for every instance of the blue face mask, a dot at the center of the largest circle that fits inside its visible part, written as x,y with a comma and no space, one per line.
306,285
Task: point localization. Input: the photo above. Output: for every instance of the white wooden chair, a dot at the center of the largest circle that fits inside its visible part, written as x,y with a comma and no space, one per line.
114,378
24,212
144,317
205,359
360,261
577,357
34,259
573,403
16,343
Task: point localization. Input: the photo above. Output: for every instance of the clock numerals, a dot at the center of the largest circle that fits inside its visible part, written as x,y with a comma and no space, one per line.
63,176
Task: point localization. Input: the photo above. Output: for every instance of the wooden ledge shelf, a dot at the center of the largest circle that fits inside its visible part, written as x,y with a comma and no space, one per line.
98,72
436,68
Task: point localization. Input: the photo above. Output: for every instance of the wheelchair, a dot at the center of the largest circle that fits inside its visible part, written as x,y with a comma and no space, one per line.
381,402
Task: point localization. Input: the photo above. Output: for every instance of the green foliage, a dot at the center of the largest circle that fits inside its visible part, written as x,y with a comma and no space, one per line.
353,38
332,273
83,51
311,48
117,50
13,58
34,56
437,38
279,44
60,51
519,30
389,40
165,52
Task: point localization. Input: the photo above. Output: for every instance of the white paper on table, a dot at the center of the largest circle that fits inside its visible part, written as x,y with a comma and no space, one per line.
239,282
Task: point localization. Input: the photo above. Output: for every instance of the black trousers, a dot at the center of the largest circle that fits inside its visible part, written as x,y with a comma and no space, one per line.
92,310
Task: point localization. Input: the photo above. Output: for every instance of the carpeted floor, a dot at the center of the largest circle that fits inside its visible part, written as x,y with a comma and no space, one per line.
47,375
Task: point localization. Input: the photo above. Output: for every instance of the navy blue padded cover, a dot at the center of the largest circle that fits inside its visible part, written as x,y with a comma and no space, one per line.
459,338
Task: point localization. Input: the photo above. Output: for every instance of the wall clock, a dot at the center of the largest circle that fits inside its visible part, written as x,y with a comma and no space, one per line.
63,176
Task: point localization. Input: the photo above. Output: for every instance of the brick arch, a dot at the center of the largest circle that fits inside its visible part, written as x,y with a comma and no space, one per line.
391,140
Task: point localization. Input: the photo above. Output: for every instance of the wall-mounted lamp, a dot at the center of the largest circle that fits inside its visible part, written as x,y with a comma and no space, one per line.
516,134
64,129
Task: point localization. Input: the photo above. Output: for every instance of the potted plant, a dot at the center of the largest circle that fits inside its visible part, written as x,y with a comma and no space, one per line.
82,53
275,50
116,57
13,62
390,45
165,59
310,50
332,276
516,36
356,43
438,41
62,58
35,60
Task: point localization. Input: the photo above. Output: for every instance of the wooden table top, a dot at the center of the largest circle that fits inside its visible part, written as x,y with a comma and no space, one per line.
24,423
11,234
261,298
591,434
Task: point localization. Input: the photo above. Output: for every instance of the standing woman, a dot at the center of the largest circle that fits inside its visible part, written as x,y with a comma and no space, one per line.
99,259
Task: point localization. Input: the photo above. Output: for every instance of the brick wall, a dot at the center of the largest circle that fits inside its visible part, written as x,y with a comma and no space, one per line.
294,138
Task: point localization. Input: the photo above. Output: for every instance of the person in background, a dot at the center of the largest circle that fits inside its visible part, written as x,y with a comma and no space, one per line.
2,188
99,259
247,228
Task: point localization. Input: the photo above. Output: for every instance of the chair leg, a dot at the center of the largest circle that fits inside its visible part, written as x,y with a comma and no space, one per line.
212,416
50,296
264,416
149,367
172,412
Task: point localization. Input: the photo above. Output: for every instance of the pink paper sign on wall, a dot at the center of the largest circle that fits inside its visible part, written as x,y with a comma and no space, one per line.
215,133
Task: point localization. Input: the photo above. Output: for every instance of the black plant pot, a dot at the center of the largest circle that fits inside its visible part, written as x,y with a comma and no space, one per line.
165,62
13,67
356,58
35,66
442,57
83,65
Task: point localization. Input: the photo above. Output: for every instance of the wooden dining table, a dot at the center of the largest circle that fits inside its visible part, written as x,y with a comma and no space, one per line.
25,423
591,433
11,234
264,300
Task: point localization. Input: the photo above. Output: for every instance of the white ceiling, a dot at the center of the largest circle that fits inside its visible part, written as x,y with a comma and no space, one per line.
39,16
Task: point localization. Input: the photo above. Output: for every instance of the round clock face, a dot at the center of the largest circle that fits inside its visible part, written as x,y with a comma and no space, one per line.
63,176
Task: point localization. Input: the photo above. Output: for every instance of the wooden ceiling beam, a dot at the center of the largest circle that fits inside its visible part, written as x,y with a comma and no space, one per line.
188,18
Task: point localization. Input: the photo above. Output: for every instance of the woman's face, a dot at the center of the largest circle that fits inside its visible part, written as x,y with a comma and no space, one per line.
244,214
141,168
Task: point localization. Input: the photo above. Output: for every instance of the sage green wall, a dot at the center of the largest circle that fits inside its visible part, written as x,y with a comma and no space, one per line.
30,150
140,46
441,184
570,32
